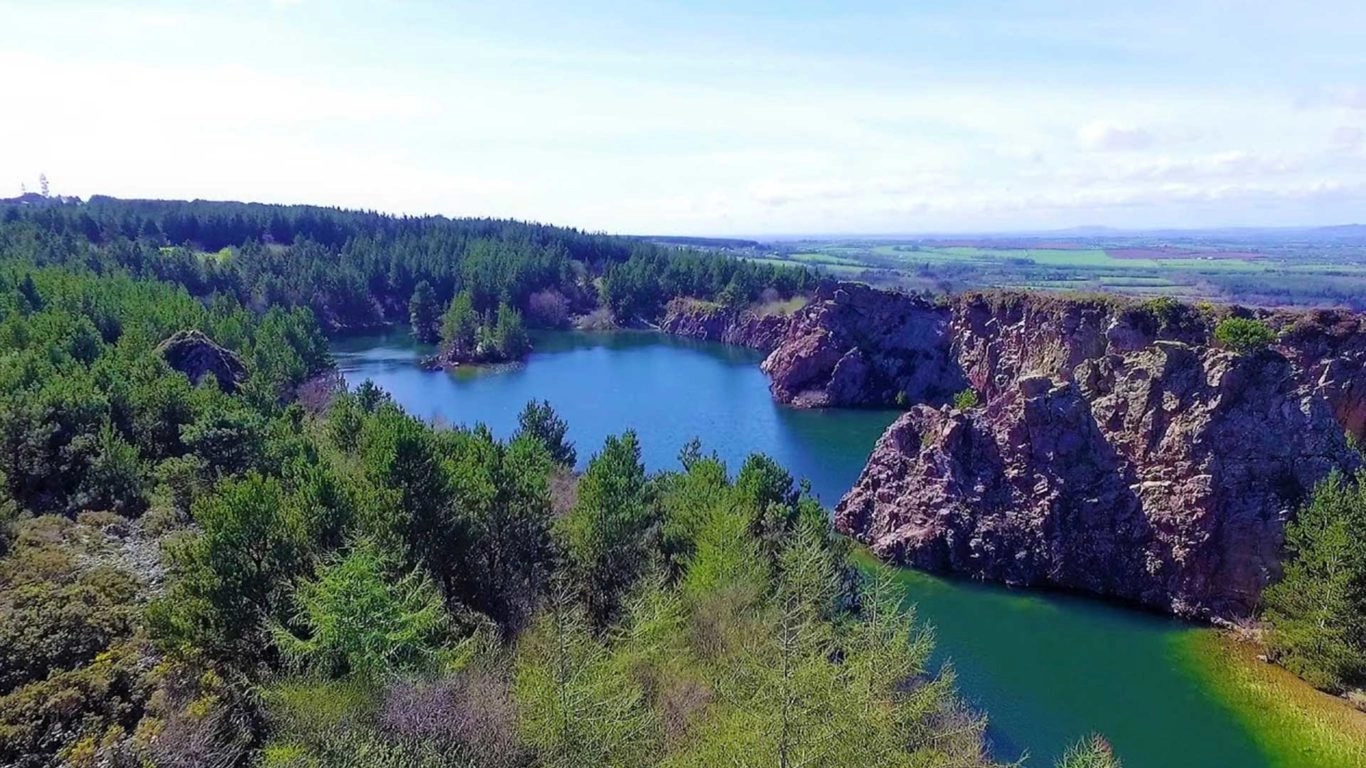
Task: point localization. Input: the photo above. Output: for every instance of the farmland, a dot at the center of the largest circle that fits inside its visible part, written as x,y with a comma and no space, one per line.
1304,267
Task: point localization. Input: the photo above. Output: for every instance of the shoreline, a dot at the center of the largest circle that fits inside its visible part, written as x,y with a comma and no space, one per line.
1293,723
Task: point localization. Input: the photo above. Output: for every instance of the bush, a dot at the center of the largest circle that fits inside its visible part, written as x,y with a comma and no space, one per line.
362,622
548,309
470,711
1243,335
1095,752
965,400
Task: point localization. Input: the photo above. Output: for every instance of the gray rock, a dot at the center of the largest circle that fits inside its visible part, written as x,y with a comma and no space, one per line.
196,355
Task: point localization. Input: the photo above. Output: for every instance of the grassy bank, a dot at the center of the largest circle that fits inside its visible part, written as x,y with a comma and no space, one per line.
1297,726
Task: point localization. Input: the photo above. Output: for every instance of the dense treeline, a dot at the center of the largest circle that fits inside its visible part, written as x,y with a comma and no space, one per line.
354,268
89,406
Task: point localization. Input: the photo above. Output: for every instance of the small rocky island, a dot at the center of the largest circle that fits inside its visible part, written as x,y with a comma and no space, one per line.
467,337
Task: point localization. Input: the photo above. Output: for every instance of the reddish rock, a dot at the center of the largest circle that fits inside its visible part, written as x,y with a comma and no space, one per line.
1116,452
855,345
710,322
1329,346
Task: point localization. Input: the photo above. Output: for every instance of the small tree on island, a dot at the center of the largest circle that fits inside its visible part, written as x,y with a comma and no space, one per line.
1243,335
509,333
460,326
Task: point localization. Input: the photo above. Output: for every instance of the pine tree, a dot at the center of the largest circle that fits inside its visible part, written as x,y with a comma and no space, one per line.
460,327
539,421
577,707
1318,610
606,534
422,313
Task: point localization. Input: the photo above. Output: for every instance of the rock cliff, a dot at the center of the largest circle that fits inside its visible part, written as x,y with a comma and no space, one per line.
710,322
855,345
1115,450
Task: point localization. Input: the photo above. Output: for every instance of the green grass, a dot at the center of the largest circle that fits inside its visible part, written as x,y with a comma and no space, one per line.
1092,269
813,257
851,269
1073,258
1297,726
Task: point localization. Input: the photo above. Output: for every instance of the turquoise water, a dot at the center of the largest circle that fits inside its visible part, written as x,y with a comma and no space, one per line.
1047,669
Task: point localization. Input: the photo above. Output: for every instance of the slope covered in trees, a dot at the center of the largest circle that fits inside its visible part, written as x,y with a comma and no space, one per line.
191,577
356,268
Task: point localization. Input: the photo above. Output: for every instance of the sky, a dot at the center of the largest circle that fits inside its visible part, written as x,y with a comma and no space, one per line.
706,117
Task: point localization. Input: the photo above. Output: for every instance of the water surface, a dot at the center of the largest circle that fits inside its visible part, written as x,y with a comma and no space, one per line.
1047,669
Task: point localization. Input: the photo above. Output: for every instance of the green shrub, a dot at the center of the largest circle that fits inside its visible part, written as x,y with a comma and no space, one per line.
364,622
1243,335
70,707
965,400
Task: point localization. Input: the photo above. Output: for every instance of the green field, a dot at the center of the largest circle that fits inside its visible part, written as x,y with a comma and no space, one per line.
1273,273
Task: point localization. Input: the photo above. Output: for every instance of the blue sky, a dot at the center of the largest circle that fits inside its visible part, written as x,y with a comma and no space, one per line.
705,117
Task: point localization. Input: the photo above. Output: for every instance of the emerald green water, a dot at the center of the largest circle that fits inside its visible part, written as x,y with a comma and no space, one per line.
1047,669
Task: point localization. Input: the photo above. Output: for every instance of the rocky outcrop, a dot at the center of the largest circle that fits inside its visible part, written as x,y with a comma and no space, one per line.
1329,347
196,355
854,345
1116,451
1162,476
710,322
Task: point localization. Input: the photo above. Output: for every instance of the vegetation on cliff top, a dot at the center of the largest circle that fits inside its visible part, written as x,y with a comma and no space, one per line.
1243,335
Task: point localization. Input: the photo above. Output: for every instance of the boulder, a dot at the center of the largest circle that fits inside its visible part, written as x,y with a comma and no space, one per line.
196,355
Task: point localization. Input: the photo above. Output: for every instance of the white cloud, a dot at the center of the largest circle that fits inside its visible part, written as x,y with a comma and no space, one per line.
1107,136
1349,137
384,107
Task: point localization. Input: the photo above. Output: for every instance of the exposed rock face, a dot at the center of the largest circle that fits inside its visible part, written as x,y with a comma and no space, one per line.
709,322
1116,451
1329,346
196,355
854,345
1162,476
